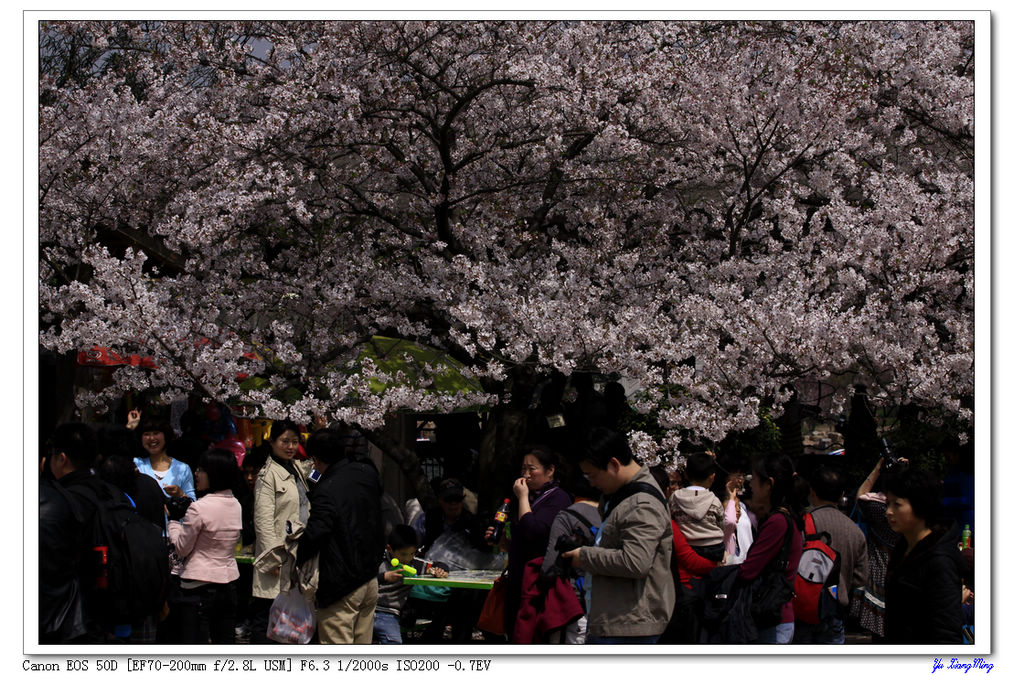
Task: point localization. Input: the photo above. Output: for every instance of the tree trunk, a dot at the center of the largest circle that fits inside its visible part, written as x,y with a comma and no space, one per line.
503,437
389,440
56,390
504,433
862,442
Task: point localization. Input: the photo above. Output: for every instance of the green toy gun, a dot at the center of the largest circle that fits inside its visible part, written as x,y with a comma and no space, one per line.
408,570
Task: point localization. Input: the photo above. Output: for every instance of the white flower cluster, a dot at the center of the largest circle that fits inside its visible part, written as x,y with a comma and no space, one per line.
712,210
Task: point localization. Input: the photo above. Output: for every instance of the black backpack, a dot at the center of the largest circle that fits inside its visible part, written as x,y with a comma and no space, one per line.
629,490
732,611
127,570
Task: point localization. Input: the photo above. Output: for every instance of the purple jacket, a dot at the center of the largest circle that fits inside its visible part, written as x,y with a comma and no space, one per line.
207,538
530,535
529,539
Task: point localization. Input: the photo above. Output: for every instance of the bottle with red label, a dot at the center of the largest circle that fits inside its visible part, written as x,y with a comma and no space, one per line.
500,520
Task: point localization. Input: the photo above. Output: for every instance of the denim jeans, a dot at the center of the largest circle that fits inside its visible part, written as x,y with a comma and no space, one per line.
776,635
622,639
828,632
386,629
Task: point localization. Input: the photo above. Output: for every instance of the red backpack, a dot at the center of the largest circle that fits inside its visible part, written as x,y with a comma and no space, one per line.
817,576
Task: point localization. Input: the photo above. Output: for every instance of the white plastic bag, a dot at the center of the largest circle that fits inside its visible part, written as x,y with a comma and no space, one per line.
292,619
452,549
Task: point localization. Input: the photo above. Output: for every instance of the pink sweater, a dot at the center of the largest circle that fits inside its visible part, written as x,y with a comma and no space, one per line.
207,538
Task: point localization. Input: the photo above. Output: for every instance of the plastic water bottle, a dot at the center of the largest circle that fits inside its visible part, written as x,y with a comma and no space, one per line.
500,520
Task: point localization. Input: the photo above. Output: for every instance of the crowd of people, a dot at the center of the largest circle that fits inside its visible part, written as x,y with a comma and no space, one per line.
601,551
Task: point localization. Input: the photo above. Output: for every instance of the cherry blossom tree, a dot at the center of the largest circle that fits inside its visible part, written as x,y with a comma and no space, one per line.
714,210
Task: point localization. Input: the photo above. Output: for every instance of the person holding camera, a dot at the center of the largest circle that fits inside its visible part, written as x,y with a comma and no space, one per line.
772,485
867,603
633,592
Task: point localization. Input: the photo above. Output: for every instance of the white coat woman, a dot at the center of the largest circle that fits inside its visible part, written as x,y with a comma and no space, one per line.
280,506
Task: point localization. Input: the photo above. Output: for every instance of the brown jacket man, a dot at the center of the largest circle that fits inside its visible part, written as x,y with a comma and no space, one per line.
632,589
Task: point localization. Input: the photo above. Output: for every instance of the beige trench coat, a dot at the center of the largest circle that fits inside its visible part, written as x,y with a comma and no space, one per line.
276,502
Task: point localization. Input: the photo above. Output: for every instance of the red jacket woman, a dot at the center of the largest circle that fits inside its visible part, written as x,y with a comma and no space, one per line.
691,566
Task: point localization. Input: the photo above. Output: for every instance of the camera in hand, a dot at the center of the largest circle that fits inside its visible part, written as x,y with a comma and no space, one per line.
746,492
890,460
177,507
566,542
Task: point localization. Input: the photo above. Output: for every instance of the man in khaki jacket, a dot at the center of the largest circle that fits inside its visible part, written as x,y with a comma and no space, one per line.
631,589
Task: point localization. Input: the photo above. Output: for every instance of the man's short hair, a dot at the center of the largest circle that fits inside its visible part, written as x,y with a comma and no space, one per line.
661,476
119,471
604,444
76,440
451,490
827,483
326,445
255,458
700,465
116,439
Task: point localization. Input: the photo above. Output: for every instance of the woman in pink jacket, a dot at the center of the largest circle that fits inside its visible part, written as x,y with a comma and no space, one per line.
206,537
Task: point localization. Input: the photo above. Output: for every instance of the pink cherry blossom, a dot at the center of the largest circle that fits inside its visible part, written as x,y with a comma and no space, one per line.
716,208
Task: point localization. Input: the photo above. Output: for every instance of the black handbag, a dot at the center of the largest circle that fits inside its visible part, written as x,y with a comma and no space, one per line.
724,607
771,590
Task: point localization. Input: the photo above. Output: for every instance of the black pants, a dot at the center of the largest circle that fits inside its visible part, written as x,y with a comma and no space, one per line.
244,593
208,614
259,611
169,629
461,610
